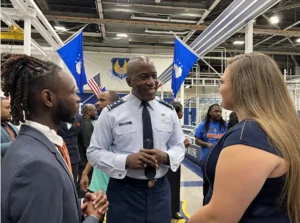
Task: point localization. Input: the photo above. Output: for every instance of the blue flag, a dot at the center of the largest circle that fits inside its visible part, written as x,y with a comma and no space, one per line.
184,59
72,54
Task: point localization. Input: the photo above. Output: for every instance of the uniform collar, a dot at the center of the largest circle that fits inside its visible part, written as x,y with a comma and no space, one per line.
136,102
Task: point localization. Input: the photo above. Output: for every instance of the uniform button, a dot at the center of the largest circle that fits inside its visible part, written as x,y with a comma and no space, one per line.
120,175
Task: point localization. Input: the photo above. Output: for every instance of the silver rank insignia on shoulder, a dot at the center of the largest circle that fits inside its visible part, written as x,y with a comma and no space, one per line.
115,104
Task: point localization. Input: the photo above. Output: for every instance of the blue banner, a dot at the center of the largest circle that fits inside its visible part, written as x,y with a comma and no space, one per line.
72,55
184,59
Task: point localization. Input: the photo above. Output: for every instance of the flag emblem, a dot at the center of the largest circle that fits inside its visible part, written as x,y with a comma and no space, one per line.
119,67
78,64
178,70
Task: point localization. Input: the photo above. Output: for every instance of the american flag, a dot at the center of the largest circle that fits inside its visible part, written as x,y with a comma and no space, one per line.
95,84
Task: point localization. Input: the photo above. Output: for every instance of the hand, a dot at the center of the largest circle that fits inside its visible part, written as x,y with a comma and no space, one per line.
98,199
84,183
98,213
186,143
160,156
209,145
91,211
84,208
140,160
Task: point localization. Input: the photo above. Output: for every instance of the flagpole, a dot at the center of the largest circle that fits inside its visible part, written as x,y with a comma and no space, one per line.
75,34
182,101
88,99
161,92
65,42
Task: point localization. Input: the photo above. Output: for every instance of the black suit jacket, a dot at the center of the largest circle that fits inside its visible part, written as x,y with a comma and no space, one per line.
84,139
36,185
70,138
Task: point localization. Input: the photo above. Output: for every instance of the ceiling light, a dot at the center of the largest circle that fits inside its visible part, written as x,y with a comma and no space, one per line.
183,21
298,40
122,35
60,28
161,19
274,19
238,42
166,32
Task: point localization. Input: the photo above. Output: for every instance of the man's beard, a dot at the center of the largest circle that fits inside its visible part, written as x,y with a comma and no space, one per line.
63,113
6,119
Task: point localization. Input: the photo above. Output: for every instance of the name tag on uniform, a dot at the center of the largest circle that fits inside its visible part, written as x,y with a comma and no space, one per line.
125,123
164,117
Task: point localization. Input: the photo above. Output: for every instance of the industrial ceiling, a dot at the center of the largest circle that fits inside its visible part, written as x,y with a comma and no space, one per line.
150,24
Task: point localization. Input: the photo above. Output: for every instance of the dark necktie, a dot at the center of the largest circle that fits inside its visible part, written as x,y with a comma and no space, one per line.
147,138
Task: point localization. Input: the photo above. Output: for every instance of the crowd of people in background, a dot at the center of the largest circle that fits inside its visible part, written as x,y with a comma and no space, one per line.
61,164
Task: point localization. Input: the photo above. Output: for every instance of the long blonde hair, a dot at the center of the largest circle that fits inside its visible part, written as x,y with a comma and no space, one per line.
260,91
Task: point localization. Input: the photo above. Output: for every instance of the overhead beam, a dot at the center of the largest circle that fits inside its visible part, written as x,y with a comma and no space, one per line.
46,23
284,8
5,18
123,22
230,21
71,14
44,6
170,50
268,19
90,34
163,25
270,37
207,12
153,9
200,7
101,16
38,20
133,48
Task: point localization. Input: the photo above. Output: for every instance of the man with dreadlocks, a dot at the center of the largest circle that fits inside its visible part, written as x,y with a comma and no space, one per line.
208,133
37,183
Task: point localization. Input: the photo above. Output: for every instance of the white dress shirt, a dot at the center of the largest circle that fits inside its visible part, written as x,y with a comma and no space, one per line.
121,128
49,133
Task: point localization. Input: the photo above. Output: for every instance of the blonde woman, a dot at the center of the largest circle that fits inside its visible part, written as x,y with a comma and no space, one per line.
254,170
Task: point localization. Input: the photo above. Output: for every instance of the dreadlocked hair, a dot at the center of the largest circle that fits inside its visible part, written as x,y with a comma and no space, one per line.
25,77
207,119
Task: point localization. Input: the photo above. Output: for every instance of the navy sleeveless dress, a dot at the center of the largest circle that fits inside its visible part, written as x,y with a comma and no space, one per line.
265,207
